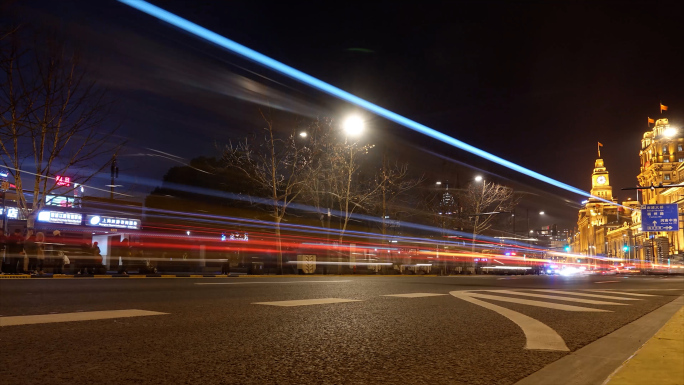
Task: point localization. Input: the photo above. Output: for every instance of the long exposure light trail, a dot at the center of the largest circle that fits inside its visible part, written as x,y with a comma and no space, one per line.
284,69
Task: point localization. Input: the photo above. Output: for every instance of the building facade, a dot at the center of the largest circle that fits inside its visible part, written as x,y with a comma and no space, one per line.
613,232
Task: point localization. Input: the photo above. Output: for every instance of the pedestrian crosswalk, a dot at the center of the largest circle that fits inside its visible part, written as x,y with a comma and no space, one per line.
538,335
567,299
622,292
562,292
414,295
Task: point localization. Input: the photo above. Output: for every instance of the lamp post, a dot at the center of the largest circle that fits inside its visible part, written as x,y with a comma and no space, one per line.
478,179
353,127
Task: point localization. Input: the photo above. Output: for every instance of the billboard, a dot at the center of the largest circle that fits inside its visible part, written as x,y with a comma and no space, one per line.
113,222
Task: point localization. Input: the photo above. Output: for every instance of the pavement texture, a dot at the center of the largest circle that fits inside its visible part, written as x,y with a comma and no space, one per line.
659,361
213,332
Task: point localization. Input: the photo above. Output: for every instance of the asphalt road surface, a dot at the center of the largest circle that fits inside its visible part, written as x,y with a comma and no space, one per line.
309,330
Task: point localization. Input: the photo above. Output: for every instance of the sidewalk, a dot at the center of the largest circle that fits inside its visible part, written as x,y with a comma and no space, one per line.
660,361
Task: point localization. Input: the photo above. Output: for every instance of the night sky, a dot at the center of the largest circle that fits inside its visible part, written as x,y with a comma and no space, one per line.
535,83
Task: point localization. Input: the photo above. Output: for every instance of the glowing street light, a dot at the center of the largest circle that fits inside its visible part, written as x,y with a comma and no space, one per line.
670,132
353,125
438,183
541,213
478,178
303,134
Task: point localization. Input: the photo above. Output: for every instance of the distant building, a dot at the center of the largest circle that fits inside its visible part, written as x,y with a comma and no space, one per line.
662,162
596,216
608,230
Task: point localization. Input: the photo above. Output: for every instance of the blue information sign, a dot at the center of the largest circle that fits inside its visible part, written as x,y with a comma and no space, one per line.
663,217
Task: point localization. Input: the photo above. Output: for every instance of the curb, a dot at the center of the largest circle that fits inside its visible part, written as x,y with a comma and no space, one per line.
658,361
601,358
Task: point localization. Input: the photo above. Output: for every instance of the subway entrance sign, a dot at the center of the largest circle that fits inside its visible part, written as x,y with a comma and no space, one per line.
663,217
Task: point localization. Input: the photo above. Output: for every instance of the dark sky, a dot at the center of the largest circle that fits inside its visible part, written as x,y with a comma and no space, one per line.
537,83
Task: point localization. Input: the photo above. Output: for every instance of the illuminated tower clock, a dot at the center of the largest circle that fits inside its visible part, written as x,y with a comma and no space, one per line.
600,183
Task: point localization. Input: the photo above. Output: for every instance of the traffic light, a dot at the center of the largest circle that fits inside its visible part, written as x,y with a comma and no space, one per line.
567,248
625,248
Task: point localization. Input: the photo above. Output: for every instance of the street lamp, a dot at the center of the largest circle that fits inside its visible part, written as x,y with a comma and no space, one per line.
353,125
541,213
670,132
478,178
303,134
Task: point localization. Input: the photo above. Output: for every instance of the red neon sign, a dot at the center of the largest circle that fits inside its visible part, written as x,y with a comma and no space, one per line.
63,180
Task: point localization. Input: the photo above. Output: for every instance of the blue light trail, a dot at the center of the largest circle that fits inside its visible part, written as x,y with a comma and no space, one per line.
275,65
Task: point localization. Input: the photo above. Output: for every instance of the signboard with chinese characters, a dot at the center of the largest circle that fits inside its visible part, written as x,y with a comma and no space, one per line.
63,180
12,212
60,217
664,217
113,222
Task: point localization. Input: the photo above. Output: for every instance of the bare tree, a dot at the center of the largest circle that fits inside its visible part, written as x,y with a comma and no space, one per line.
52,119
336,178
483,201
394,182
276,165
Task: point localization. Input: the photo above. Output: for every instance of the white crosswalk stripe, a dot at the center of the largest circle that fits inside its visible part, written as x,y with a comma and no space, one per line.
621,292
414,295
538,335
306,302
77,316
549,305
588,295
559,298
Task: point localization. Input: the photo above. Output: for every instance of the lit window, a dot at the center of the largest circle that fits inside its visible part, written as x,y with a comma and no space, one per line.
680,160
666,160
667,176
664,149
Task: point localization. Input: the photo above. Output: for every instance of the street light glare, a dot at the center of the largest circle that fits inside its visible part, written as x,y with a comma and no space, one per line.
438,183
353,125
303,134
541,213
670,132
478,179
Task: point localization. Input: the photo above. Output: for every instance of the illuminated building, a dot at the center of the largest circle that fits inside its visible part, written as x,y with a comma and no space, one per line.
590,238
615,232
662,162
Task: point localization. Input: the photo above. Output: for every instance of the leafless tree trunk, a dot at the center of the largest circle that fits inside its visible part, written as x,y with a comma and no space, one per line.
483,201
52,119
276,165
394,182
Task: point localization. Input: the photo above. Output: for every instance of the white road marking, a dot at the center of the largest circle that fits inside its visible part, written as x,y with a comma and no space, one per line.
649,289
548,305
249,283
413,295
623,293
606,281
538,335
69,317
588,295
567,299
305,302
